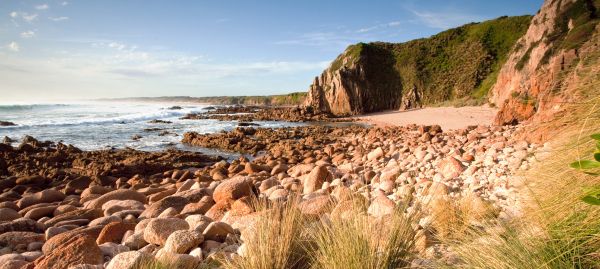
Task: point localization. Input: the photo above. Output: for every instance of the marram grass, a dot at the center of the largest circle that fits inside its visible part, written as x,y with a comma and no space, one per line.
556,229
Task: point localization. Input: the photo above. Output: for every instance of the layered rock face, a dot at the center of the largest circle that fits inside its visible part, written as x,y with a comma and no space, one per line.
455,64
550,63
354,84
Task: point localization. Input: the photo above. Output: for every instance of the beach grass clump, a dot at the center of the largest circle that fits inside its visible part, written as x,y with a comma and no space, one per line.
557,229
452,218
362,241
155,264
275,239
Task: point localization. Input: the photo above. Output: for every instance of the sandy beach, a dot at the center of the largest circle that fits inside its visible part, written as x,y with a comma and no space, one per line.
449,118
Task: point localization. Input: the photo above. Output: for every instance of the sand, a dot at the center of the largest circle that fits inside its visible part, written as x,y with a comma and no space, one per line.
447,117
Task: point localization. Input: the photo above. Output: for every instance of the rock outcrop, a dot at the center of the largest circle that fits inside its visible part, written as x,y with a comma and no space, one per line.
459,63
550,63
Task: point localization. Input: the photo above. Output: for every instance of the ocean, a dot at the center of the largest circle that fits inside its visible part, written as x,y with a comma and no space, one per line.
105,125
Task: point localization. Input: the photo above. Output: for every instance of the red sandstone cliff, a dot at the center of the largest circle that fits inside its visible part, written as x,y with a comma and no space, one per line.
550,62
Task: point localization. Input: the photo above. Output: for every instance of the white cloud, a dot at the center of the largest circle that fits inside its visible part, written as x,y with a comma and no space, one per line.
42,7
107,72
444,19
58,18
379,27
29,17
64,3
321,39
13,46
28,34
25,16
367,29
116,45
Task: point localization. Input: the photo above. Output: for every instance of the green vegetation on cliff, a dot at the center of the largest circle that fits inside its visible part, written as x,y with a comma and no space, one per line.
457,64
574,26
291,99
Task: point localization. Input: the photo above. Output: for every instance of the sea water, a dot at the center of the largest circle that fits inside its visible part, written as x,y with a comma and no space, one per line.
105,125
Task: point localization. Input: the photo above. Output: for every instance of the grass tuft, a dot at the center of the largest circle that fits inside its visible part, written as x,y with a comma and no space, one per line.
556,229
274,241
363,242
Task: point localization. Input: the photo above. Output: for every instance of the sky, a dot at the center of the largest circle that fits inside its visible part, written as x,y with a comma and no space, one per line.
80,49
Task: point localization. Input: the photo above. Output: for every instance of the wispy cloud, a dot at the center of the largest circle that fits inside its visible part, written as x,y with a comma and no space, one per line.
340,37
28,34
379,26
58,18
64,3
23,15
117,70
444,19
129,61
319,39
13,46
116,45
42,7
29,17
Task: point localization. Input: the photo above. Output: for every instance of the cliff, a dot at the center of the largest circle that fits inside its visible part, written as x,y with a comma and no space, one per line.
550,64
460,63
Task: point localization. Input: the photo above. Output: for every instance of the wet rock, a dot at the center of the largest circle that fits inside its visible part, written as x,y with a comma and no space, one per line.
7,123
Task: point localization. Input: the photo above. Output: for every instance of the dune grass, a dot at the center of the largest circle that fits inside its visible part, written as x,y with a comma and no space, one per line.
274,240
284,238
556,229
452,218
362,241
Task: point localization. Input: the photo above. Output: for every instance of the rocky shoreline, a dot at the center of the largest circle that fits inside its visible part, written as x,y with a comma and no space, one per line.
61,207
262,113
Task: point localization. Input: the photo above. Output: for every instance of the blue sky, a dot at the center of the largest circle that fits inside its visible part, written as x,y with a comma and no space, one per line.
53,50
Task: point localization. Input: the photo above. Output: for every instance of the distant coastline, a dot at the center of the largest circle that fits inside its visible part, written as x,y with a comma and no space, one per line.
291,99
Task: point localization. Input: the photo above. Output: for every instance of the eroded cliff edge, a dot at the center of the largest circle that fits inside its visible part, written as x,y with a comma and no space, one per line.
552,65
460,63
